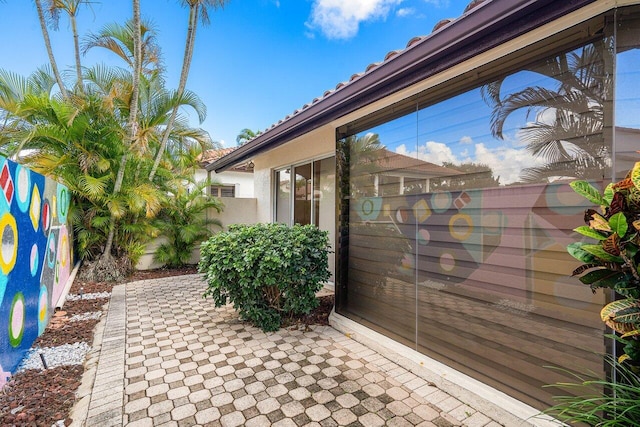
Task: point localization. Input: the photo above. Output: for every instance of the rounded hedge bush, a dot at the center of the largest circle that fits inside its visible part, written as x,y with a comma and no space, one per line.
267,271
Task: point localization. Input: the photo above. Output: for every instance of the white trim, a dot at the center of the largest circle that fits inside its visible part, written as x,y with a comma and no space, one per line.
487,400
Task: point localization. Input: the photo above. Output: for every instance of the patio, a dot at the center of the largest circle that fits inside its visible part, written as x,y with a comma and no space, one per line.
169,357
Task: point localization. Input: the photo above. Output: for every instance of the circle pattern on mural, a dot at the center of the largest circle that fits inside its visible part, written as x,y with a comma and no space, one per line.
64,249
440,202
46,215
367,207
402,215
33,260
23,187
424,236
43,308
9,251
447,262
51,250
16,320
460,226
62,203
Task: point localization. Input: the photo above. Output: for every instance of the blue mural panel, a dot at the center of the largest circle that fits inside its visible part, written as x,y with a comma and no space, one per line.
35,258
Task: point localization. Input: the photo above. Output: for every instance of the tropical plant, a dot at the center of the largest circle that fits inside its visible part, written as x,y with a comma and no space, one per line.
198,11
47,42
102,137
120,40
613,261
71,8
184,220
600,402
569,113
267,271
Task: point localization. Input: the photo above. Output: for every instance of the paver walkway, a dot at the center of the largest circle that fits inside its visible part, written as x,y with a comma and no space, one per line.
188,363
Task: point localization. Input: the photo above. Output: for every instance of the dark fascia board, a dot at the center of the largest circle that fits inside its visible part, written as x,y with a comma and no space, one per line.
489,25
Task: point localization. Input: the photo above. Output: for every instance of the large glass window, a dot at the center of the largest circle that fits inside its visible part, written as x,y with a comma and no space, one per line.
455,216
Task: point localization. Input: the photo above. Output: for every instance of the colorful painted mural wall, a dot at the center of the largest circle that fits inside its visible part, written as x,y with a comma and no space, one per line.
36,258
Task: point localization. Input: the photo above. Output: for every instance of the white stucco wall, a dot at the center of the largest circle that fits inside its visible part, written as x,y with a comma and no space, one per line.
243,181
236,211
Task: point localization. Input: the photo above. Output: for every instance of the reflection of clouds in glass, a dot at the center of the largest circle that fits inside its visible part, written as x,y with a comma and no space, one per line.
431,151
505,162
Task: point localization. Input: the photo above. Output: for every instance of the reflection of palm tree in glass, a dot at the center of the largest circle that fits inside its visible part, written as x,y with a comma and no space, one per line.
569,120
357,156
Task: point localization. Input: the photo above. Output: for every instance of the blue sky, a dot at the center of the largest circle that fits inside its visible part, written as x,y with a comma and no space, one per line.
258,60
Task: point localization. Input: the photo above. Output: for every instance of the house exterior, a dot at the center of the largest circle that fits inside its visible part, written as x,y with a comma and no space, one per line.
235,182
465,269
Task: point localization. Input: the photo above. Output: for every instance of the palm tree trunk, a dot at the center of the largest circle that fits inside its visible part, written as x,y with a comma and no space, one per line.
186,64
76,47
47,43
132,123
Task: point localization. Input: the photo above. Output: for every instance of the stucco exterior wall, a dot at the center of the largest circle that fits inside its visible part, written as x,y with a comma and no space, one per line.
236,211
36,258
242,181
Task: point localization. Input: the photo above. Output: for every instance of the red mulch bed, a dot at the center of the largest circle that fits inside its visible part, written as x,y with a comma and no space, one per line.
41,398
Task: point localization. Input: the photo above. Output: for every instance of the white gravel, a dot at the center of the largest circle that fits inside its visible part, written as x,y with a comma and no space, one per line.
75,297
64,355
85,316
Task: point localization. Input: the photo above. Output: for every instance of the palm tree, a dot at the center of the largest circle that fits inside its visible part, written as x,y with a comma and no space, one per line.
71,9
132,123
198,10
47,43
569,119
119,39
184,221
245,136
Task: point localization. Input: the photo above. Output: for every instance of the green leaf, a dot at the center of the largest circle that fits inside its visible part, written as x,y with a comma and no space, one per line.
608,193
604,278
600,253
618,224
588,191
589,232
622,311
576,250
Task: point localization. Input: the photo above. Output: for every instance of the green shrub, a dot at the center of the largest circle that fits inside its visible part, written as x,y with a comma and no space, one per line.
266,271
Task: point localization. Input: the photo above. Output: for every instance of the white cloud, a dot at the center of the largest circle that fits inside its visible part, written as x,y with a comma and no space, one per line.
440,4
466,140
340,19
405,11
505,162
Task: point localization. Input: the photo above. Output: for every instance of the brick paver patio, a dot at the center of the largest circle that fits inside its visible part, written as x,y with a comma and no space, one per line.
188,363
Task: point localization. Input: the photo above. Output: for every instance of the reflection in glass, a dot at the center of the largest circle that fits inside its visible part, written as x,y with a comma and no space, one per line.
563,99
302,197
455,219
283,200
